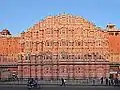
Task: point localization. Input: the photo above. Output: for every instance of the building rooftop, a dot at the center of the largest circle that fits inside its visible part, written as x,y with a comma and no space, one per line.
5,32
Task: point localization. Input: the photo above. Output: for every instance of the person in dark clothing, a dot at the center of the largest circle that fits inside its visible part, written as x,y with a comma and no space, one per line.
31,83
93,81
14,77
112,81
119,82
107,81
101,80
116,81
63,82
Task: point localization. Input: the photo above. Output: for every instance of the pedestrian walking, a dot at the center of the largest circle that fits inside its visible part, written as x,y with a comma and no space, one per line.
63,82
112,81
116,81
101,80
107,81
93,81
87,80
119,81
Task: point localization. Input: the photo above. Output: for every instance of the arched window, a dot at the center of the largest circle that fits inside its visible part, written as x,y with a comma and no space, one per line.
56,43
55,56
79,43
63,43
48,31
79,57
47,43
40,57
71,43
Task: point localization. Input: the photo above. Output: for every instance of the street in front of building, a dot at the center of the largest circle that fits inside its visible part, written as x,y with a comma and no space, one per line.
56,87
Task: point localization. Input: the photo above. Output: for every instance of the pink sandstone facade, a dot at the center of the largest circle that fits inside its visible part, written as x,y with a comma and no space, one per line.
9,49
63,46
114,48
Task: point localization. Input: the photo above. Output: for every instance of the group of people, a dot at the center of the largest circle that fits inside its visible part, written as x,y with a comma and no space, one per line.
33,83
110,81
103,81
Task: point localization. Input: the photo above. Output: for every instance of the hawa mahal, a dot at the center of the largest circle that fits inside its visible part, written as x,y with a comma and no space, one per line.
61,46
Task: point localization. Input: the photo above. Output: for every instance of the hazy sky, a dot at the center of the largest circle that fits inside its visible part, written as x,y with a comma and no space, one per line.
18,15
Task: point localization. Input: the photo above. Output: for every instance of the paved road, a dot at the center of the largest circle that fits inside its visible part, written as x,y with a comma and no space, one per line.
54,87
69,82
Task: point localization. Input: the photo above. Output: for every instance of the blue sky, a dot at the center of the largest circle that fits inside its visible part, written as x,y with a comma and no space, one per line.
18,15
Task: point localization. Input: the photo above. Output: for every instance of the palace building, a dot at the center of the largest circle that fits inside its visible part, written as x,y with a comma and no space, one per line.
62,46
114,49
9,49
